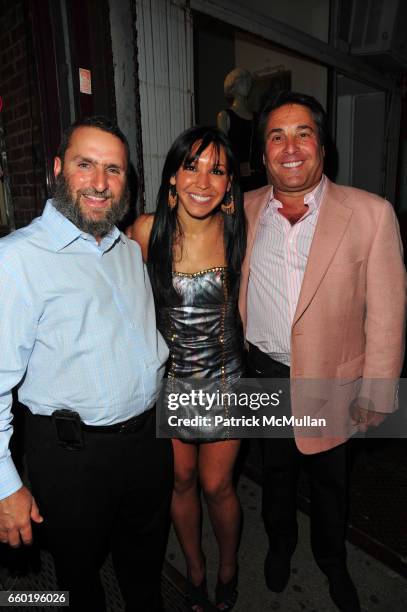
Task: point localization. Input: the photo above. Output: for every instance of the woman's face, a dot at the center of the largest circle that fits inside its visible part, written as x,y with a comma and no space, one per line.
201,184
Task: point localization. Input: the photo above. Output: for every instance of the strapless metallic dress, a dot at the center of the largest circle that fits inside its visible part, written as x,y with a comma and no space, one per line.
203,332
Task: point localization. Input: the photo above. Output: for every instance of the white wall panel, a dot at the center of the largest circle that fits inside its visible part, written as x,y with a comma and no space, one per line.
165,53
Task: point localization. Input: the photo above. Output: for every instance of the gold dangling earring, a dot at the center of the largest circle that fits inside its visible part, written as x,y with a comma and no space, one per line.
172,197
228,206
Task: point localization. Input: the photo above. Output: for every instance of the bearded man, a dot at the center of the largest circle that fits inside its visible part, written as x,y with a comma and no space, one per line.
78,329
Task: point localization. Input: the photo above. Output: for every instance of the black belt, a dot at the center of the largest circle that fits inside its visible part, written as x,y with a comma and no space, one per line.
124,427
128,426
71,432
279,369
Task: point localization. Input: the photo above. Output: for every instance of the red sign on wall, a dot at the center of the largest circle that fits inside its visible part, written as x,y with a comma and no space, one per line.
85,81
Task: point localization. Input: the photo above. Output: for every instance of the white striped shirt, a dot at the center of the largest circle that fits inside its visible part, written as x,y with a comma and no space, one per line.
277,267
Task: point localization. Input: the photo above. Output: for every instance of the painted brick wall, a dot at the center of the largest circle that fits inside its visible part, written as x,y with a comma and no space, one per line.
21,111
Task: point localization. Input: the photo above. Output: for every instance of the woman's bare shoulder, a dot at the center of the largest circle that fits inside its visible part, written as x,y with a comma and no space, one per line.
140,231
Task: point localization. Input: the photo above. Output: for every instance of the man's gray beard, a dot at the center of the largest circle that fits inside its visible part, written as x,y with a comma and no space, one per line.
70,208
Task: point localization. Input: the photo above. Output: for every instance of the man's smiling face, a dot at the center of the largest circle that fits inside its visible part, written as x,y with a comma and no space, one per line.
91,180
293,155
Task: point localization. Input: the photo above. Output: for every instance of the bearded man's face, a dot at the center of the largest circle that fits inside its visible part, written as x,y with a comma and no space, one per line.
91,182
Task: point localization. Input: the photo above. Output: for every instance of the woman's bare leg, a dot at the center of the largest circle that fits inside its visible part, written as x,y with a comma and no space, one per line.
186,508
216,464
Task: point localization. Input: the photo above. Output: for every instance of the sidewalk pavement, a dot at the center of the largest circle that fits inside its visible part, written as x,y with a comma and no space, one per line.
380,589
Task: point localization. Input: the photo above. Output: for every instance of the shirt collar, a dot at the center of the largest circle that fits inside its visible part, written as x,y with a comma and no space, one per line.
312,199
63,232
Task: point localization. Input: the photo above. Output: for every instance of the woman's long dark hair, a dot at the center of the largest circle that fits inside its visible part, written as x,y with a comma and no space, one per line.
166,226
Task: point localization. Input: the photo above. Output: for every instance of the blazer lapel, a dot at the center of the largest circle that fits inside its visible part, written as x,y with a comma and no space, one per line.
332,222
253,213
255,203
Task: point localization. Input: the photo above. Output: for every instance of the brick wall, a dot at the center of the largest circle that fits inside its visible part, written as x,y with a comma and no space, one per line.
21,111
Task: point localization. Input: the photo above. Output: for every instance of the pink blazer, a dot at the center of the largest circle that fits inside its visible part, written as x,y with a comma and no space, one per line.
348,328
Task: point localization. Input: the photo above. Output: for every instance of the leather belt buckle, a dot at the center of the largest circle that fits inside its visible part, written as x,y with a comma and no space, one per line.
130,425
124,427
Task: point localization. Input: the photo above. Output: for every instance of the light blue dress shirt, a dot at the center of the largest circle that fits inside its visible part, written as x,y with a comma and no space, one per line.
77,325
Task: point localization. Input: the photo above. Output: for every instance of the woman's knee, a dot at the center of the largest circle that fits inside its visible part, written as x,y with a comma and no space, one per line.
217,490
184,479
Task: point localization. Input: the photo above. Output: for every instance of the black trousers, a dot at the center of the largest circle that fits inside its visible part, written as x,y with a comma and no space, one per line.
329,479
111,496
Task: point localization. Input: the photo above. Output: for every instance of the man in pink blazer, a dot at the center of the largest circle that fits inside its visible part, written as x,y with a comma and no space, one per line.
323,298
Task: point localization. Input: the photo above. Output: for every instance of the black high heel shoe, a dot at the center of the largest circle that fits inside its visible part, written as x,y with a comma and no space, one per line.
197,595
226,593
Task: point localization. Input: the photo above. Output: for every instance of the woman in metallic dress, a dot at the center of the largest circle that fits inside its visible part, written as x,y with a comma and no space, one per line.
194,246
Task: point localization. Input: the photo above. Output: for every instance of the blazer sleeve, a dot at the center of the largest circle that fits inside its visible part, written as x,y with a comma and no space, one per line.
385,314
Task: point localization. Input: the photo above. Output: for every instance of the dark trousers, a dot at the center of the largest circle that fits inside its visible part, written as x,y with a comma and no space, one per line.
329,478
111,496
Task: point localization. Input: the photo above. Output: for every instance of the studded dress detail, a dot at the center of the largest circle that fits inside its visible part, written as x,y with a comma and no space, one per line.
203,331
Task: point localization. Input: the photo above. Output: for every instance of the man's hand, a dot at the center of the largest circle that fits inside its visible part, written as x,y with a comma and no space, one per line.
363,418
16,513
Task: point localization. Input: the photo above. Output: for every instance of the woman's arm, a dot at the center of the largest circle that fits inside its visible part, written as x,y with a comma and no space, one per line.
140,232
